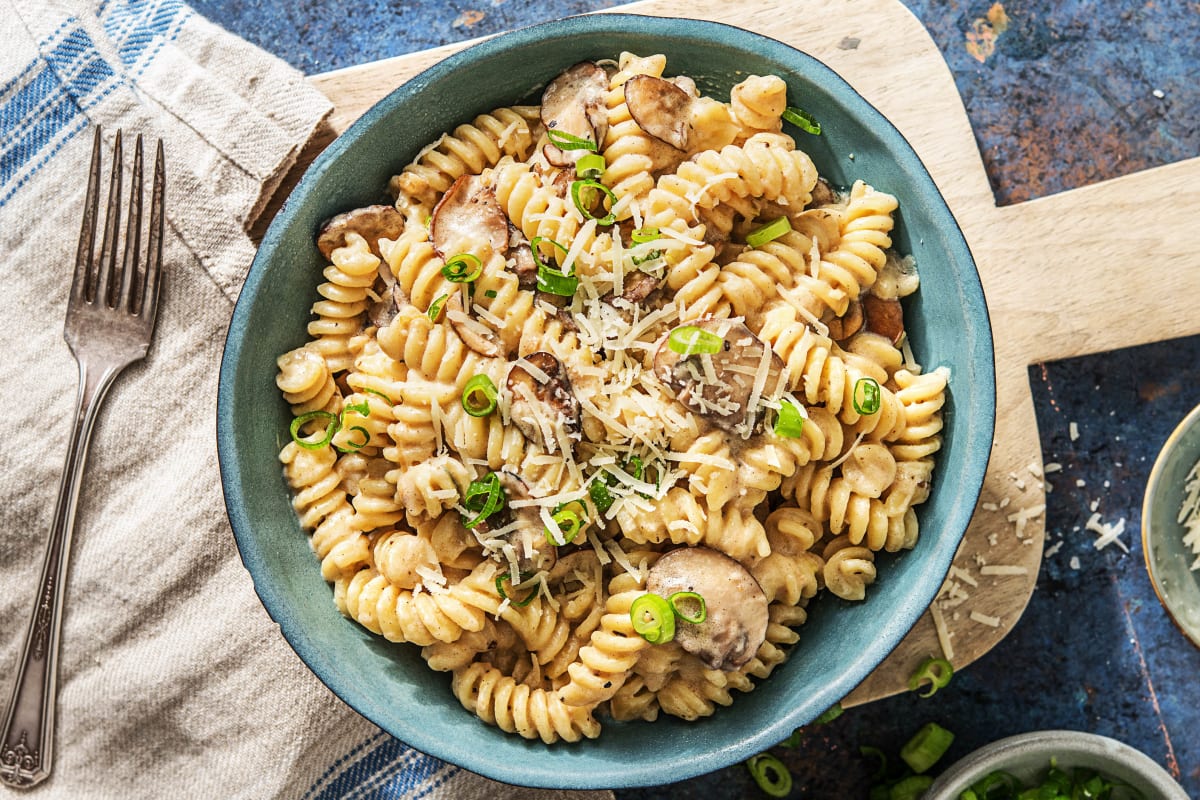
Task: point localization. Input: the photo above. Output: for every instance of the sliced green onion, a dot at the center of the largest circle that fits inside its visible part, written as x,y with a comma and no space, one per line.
463,268
635,467
577,197
689,339
549,279
653,618
866,396
569,141
768,232
479,396
937,672
484,497
569,524
504,577
995,784
377,393
874,752
689,606
924,749
362,408
639,260
352,446
794,740
643,235
910,788
789,422
590,166
490,294
435,307
330,429
771,774
600,495
829,715
802,120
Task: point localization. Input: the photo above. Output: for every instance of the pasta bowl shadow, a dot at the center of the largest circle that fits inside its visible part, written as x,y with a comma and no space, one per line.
840,644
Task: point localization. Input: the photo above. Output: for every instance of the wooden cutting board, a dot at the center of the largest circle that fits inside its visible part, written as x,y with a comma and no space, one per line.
1085,271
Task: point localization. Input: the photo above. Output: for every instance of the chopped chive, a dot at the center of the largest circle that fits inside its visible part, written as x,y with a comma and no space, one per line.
802,120
463,268
768,232
653,618
330,429
866,396
435,307
689,339
789,421
505,577
771,774
484,497
937,672
479,396
563,283
926,747
583,203
689,606
569,141
590,166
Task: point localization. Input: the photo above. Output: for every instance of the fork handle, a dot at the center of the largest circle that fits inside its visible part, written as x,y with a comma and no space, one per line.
27,740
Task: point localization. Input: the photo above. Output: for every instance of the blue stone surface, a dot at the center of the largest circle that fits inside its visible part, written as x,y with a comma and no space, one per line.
1060,94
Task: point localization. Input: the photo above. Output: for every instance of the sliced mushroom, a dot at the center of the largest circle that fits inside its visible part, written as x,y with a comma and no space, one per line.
843,327
469,219
822,193
636,288
522,255
372,223
898,278
543,405
660,108
475,334
573,103
736,622
384,310
721,386
884,317
824,225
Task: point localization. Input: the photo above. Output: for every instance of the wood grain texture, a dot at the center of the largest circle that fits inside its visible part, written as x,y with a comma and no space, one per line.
1085,271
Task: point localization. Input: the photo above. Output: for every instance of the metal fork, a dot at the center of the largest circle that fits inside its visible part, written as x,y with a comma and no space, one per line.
110,321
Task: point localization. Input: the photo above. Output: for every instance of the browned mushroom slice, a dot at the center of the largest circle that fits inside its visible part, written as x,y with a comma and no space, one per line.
660,108
542,404
843,327
522,257
573,104
475,334
822,193
469,219
884,317
384,310
736,622
372,223
726,387
636,288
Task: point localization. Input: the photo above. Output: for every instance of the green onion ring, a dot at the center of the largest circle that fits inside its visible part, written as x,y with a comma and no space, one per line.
462,268
928,745
874,752
635,467
910,788
354,447
689,339
590,166
569,524
789,422
330,429
768,232
771,774
866,396
506,577
653,618
485,497
378,393
479,396
435,308
691,598
362,408
569,141
802,120
937,672
551,280
829,715
577,188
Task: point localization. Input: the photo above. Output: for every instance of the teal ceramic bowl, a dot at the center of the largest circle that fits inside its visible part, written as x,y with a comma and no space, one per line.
1168,559
841,644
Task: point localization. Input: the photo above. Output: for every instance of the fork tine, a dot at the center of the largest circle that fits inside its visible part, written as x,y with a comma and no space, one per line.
124,299
152,277
106,266
81,283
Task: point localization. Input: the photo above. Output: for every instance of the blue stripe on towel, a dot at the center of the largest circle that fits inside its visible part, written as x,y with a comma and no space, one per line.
44,107
388,771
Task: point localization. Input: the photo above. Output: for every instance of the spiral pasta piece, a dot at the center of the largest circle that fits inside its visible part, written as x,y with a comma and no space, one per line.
499,700
757,103
323,508
468,150
344,299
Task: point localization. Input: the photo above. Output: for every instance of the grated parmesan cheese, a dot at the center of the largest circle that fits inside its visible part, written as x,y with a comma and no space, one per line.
985,619
1110,533
1189,513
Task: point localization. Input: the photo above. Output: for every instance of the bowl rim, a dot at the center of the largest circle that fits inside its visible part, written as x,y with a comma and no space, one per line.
719,753
1059,743
1153,486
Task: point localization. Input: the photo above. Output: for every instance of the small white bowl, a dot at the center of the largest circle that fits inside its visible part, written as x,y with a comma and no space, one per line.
1167,559
1027,755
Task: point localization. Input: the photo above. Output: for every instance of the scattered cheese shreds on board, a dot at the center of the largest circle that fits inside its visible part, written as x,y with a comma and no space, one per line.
1004,569
985,619
1110,533
1073,431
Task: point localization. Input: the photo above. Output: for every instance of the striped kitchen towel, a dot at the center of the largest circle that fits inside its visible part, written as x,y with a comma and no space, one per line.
173,680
